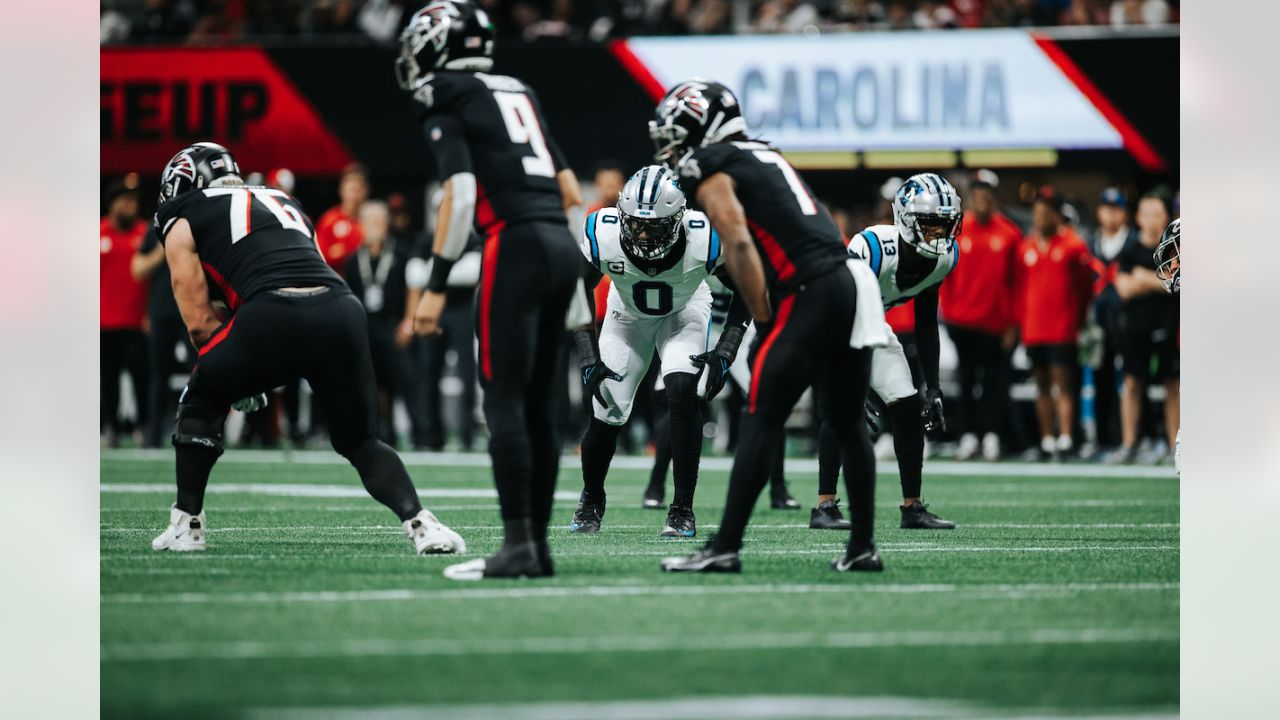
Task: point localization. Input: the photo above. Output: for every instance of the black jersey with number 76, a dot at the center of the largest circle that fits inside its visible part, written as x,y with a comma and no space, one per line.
250,239
492,127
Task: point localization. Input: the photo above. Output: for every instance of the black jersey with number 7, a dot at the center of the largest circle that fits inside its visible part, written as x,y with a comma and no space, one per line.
492,127
250,239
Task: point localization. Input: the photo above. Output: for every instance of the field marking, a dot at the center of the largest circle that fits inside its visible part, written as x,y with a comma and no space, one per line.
455,647
643,462
391,530
751,707
508,593
314,490
672,547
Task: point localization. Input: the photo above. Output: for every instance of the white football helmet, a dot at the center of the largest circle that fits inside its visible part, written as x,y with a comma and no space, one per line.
926,211
652,206
1168,257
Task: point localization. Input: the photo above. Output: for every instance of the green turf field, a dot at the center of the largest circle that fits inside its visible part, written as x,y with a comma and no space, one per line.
1057,596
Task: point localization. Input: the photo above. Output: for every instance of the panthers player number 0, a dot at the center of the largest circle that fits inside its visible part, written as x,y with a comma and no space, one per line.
660,293
288,216
522,127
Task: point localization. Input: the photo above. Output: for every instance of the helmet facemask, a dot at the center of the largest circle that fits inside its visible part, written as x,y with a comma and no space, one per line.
650,238
1168,255
932,235
669,139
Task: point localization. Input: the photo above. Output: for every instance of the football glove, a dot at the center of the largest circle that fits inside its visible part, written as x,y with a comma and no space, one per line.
934,420
253,403
716,366
593,375
875,420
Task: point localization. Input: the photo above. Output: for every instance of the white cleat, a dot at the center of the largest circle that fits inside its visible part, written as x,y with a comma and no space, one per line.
469,571
968,447
432,537
184,534
991,447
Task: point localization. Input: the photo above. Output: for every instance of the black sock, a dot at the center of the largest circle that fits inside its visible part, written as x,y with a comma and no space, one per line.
544,438
385,477
828,459
908,443
598,445
686,434
194,463
661,442
758,443
516,531
510,451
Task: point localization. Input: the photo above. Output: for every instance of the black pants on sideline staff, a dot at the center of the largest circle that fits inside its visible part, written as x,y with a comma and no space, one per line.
807,343
122,350
528,277
167,331
983,368
458,325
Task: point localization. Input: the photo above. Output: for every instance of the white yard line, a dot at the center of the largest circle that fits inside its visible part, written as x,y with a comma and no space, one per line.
641,462
507,593
390,529
751,707
462,647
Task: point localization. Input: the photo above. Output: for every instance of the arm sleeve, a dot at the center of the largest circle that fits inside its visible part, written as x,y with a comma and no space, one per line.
927,335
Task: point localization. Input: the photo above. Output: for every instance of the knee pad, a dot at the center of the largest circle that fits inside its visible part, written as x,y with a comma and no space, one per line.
681,386
199,426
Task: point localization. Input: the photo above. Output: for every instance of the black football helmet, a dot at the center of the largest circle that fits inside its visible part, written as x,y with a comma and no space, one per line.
444,35
194,167
692,114
1168,257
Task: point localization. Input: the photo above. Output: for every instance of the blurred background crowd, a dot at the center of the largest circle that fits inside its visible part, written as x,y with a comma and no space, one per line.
378,21
1059,342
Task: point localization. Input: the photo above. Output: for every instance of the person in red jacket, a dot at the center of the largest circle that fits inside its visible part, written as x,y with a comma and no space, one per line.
977,305
1054,284
338,230
123,306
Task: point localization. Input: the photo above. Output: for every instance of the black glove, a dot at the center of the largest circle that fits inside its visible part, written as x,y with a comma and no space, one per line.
716,366
593,375
934,420
875,418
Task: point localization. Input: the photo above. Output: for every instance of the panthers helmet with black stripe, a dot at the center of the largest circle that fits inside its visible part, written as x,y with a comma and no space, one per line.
695,113
195,167
1168,257
926,211
651,206
444,35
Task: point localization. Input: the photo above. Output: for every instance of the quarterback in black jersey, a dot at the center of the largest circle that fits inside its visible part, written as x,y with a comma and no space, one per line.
501,169
817,316
291,316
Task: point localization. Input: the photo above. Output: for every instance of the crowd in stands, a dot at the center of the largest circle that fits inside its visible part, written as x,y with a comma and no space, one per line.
1047,297
222,21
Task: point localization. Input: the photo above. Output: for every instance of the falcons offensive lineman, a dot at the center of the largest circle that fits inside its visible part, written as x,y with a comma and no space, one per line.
659,256
911,258
293,317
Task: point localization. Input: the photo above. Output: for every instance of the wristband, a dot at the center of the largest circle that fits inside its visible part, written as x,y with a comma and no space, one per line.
438,279
730,339
586,342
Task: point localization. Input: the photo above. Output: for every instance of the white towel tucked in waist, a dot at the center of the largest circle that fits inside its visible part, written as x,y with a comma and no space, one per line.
869,327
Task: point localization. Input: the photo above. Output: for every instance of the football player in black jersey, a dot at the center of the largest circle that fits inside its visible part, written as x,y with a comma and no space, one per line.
817,316
291,317
500,167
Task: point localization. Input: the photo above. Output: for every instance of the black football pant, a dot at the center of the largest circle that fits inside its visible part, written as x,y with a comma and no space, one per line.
807,343
528,276
122,350
270,341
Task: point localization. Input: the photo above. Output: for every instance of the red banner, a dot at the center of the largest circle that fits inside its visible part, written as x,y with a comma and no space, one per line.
155,101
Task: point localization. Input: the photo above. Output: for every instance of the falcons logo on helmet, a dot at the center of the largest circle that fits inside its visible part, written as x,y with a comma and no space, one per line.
182,167
690,99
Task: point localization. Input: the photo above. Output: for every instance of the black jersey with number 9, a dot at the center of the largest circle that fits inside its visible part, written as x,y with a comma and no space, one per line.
250,239
492,127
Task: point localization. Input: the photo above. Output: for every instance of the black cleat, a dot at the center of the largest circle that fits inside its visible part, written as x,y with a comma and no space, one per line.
705,560
827,516
512,561
589,515
867,560
680,523
652,498
916,516
780,499
544,558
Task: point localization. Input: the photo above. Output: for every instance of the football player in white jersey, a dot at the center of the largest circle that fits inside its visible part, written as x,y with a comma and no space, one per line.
911,257
658,256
